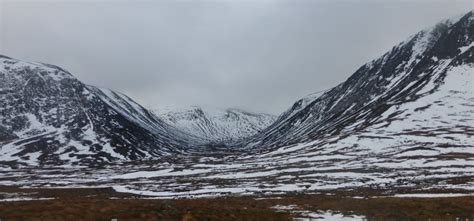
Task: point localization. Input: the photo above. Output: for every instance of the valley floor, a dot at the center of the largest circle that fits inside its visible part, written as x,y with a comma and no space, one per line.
106,204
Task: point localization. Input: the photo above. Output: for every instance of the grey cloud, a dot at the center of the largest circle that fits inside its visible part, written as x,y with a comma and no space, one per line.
256,55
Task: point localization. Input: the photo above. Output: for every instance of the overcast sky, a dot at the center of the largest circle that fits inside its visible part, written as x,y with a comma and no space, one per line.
259,55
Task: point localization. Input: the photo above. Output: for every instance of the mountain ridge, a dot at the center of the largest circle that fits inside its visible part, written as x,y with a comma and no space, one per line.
402,65
50,117
216,125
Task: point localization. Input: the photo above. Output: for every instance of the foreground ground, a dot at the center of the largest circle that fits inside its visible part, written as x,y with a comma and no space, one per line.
105,204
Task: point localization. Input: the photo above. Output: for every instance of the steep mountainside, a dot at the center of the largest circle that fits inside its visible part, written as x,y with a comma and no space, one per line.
217,125
409,86
49,117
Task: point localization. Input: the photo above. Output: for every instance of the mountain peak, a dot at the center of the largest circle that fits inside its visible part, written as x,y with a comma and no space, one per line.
216,124
45,106
411,70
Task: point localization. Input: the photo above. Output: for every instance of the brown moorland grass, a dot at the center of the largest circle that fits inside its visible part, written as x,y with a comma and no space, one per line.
104,204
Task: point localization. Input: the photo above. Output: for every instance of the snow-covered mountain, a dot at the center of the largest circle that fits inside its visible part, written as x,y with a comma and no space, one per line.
50,117
216,125
421,87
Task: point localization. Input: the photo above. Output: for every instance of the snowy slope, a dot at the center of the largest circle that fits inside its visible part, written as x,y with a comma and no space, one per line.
217,125
49,117
410,71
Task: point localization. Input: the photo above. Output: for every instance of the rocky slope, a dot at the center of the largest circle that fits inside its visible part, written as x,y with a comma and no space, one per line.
423,84
48,117
217,126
